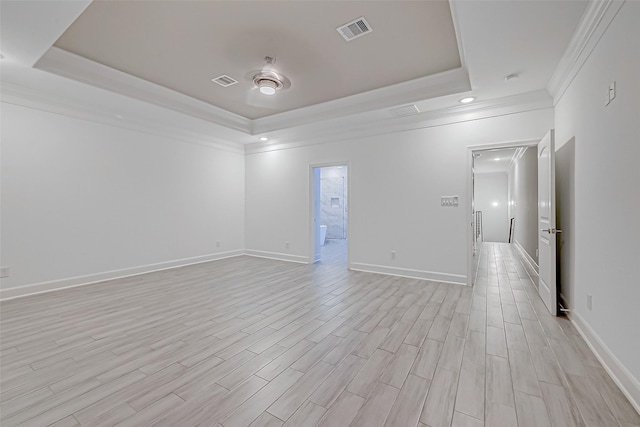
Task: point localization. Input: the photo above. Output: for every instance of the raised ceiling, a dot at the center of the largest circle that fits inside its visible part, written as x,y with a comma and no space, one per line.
182,45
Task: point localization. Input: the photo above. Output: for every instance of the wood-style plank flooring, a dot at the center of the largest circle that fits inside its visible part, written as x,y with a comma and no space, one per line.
255,342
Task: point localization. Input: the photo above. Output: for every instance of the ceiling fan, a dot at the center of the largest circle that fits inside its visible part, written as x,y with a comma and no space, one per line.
267,80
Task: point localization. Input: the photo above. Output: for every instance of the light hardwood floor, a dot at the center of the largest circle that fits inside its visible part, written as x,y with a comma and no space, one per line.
255,342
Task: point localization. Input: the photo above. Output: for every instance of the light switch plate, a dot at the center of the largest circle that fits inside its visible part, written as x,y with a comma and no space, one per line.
449,201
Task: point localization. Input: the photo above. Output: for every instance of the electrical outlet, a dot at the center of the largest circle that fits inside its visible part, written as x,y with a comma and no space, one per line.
5,271
217,243
393,254
589,301
286,244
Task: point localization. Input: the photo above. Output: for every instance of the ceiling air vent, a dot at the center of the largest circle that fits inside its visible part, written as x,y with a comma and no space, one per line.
407,110
355,29
224,80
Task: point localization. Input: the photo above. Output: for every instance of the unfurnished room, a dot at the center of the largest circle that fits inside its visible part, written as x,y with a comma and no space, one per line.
319,213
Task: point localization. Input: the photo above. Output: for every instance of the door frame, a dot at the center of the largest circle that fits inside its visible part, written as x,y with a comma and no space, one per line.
312,196
469,212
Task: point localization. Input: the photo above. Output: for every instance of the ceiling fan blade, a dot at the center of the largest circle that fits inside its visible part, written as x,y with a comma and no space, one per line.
256,99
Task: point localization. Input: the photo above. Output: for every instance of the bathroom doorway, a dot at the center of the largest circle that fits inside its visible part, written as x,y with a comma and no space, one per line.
330,214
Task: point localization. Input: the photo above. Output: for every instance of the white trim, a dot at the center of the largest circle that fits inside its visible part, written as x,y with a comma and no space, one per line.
453,7
595,21
457,279
76,67
629,385
532,263
277,256
67,64
433,86
365,125
90,279
38,100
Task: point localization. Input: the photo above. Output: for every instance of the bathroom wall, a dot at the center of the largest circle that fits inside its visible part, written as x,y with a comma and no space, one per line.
333,201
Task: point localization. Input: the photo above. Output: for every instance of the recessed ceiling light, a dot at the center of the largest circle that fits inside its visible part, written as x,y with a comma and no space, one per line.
468,100
264,138
494,204
496,159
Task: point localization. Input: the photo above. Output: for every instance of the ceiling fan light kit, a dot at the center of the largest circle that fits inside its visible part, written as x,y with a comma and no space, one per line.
267,80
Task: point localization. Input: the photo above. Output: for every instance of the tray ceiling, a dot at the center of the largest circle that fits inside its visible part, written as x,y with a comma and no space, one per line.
182,45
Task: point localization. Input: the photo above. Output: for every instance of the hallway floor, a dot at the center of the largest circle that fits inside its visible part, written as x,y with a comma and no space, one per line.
254,342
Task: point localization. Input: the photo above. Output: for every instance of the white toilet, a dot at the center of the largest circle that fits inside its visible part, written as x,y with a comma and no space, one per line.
323,234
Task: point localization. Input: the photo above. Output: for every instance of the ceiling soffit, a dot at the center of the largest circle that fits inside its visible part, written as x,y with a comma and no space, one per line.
412,57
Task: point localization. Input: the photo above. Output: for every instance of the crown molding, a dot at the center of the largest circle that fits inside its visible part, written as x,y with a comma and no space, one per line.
63,63
366,125
595,21
16,94
436,85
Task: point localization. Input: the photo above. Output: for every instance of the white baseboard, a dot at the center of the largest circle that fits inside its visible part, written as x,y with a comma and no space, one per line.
407,272
629,385
72,282
532,262
277,256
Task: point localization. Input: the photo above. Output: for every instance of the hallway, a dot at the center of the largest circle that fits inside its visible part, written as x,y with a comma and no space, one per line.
535,363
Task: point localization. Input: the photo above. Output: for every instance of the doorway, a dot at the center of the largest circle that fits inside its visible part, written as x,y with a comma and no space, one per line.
330,214
503,189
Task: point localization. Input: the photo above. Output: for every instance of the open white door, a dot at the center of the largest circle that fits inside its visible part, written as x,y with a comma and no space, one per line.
547,222
315,213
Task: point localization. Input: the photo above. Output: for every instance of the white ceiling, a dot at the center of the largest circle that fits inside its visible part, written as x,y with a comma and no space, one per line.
493,161
494,39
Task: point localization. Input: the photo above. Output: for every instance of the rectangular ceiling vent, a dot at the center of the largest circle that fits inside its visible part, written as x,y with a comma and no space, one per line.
224,80
407,110
355,29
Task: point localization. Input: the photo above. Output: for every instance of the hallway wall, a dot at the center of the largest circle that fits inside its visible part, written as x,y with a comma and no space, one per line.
607,201
523,199
492,188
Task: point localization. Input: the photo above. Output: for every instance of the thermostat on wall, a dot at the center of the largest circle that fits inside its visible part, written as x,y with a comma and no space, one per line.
449,201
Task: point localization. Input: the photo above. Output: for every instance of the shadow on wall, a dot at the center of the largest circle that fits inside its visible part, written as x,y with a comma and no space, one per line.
333,201
565,213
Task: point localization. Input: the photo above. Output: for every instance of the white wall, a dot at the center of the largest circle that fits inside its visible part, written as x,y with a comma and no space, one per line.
607,195
565,219
492,188
80,198
523,196
396,181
